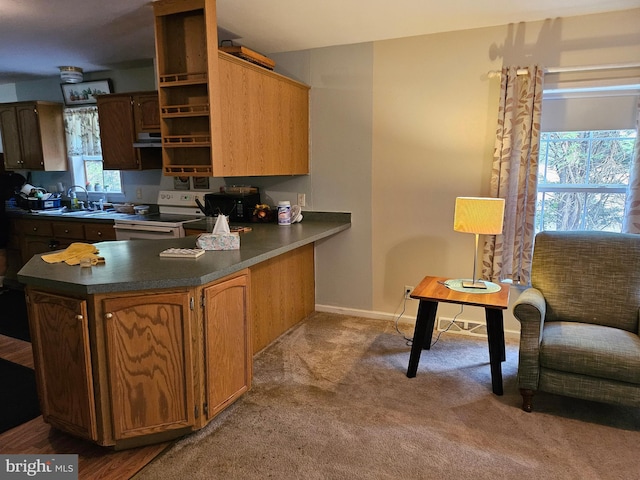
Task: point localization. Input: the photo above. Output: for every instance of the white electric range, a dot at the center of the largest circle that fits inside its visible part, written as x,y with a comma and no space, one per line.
175,208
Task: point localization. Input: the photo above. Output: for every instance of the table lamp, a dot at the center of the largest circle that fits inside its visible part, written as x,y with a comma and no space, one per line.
478,215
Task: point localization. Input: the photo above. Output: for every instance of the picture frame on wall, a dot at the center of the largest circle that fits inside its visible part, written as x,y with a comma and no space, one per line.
85,93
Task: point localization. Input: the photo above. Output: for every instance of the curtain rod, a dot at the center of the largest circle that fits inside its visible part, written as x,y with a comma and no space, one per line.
584,68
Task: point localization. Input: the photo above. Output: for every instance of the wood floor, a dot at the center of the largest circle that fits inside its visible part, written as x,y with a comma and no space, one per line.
37,437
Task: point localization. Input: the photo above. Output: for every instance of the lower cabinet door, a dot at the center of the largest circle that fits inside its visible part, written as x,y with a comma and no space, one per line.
60,339
227,343
149,363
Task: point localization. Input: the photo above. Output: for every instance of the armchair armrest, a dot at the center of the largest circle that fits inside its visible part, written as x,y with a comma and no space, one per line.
530,310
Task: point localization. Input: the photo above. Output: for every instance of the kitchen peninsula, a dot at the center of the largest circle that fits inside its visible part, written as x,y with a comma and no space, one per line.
143,349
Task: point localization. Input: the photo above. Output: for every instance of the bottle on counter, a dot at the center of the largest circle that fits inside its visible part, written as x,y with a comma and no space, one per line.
284,212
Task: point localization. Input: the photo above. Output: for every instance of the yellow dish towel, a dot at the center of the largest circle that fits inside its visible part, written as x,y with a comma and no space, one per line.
73,253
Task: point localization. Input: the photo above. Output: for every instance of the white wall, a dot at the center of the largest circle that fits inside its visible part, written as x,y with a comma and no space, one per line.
429,139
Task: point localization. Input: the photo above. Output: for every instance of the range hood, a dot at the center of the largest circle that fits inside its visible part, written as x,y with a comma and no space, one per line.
148,140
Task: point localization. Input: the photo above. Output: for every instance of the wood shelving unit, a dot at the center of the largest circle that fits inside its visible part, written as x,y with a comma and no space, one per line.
189,107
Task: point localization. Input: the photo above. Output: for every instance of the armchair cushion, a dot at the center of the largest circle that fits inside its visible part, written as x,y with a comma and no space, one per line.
593,350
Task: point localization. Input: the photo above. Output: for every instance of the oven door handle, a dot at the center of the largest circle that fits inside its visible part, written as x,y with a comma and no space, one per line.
142,228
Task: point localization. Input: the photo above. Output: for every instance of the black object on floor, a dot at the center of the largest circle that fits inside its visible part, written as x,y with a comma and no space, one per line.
18,395
13,315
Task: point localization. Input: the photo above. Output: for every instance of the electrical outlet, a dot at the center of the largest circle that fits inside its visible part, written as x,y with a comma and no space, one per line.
138,193
407,291
302,199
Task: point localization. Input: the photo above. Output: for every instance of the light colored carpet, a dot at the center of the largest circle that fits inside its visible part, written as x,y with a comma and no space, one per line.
330,400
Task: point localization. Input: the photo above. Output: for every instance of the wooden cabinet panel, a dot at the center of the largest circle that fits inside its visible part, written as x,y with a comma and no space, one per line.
146,112
122,117
33,136
60,337
97,232
30,137
227,343
10,138
149,363
288,302
117,132
35,227
265,121
68,230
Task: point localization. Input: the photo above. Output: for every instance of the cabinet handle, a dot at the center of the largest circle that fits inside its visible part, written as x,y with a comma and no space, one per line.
99,234
79,317
35,229
108,316
66,231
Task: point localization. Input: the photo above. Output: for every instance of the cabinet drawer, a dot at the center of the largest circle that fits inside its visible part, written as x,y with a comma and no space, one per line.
68,230
95,232
36,227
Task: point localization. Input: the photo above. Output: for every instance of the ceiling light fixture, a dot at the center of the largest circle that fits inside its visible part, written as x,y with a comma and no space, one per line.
71,74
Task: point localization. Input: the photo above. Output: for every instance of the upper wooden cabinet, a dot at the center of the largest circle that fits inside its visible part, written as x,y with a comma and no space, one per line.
187,86
146,112
122,117
33,136
222,116
265,121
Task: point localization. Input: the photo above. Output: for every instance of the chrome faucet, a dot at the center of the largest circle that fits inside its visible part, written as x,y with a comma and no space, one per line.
78,186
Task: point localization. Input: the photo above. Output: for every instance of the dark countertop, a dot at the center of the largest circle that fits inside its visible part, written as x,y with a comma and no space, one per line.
133,265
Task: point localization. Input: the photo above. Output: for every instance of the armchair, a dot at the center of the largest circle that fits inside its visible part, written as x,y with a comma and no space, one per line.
579,320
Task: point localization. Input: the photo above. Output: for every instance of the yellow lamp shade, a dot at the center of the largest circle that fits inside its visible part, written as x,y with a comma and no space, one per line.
479,215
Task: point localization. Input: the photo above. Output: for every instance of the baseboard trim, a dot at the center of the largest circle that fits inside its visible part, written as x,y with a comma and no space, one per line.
512,334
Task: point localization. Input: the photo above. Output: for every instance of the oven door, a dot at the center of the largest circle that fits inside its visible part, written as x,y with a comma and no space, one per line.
129,231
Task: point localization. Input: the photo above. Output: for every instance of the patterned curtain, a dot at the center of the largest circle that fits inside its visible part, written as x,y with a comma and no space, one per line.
82,131
631,222
514,175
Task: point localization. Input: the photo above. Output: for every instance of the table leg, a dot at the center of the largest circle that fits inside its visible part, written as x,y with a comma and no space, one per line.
497,354
422,334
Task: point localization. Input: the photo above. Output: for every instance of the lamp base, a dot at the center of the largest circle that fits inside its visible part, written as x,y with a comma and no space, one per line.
477,284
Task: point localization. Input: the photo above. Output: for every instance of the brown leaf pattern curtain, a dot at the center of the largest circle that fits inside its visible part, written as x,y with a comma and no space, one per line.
514,175
631,223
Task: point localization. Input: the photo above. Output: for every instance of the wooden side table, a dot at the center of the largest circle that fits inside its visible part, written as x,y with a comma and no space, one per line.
430,292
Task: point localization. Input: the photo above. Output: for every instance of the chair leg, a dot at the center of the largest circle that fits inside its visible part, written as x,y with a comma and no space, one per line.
527,397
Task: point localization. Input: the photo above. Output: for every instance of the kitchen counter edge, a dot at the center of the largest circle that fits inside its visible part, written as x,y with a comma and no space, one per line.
135,265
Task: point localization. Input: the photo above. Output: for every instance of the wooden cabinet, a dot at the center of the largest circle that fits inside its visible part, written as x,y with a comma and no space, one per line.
265,121
149,363
187,81
227,343
97,232
60,339
33,136
146,112
133,368
222,116
44,235
122,117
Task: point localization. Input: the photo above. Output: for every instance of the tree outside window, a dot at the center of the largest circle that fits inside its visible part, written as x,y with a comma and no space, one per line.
583,178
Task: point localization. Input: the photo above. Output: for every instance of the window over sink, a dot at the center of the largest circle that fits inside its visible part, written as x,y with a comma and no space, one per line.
85,151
